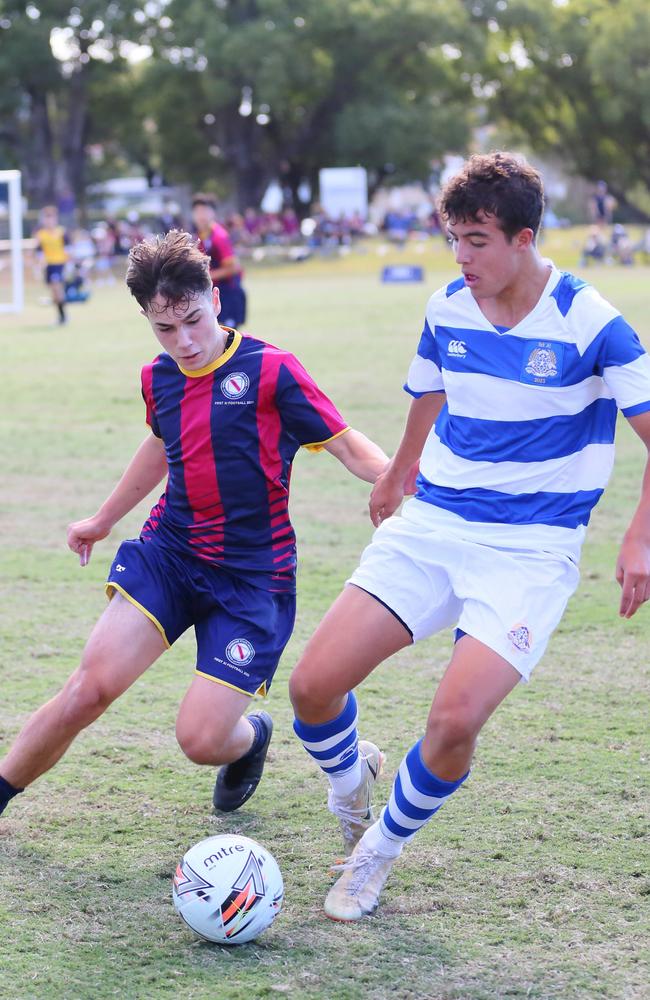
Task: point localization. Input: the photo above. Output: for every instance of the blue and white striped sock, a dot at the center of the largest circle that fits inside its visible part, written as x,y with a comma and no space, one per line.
416,795
333,745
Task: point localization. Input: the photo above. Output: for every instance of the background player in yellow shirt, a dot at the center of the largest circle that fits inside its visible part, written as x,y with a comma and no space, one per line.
52,240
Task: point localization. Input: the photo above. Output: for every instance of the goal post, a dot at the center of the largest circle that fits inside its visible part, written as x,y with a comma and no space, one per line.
15,242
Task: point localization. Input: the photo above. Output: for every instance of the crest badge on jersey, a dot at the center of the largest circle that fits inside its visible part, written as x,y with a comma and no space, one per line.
521,638
236,385
240,652
543,363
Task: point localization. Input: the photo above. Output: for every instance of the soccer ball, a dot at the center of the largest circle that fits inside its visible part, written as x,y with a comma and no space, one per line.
228,889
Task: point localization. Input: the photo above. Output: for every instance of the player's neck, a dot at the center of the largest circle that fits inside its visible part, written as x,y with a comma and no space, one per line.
519,298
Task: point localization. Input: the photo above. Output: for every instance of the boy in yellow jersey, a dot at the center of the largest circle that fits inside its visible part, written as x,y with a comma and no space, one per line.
52,240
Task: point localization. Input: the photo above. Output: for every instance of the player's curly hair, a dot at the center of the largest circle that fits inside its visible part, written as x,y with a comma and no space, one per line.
500,184
171,266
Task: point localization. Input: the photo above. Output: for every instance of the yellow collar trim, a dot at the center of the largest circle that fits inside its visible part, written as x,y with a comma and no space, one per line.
218,362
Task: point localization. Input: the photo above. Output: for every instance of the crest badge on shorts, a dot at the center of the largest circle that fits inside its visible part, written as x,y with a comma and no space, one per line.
521,638
542,364
240,652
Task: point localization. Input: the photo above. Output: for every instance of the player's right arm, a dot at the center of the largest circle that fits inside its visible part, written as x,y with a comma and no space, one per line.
398,477
426,384
145,470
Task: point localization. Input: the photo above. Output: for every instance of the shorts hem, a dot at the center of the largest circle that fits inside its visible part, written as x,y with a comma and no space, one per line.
261,692
383,603
116,586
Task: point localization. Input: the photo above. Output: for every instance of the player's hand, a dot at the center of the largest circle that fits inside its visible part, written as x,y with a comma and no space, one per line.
633,575
82,535
386,496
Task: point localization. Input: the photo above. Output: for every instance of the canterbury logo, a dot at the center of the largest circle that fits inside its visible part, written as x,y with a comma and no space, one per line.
457,348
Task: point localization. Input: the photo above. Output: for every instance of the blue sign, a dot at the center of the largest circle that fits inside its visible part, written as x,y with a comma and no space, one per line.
401,274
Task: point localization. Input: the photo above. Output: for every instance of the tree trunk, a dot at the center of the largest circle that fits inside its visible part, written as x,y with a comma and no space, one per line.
252,170
37,153
73,137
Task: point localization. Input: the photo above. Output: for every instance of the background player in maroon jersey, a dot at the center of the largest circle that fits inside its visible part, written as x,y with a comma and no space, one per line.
225,271
227,414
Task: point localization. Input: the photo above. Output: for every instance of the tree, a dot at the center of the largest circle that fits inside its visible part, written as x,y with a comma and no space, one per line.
271,88
573,79
54,57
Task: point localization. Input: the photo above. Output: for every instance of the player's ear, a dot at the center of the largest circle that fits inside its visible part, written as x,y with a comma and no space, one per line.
216,301
524,239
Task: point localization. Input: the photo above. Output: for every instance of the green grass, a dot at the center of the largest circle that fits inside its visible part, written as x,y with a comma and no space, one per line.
530,884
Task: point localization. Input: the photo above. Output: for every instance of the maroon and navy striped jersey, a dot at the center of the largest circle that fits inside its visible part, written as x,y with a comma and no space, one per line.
231,431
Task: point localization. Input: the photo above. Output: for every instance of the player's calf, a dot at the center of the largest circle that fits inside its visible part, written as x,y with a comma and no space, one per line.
449,741
48,733
219,741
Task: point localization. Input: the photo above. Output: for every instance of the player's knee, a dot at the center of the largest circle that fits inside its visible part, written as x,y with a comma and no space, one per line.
308,696
84,699
298,691
451,727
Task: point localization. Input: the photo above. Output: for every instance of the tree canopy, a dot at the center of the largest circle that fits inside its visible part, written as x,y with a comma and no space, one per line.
266,93
572,77
228,94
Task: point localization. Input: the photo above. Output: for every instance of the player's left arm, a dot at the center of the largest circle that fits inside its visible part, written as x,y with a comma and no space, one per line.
633,563
227,269
361,456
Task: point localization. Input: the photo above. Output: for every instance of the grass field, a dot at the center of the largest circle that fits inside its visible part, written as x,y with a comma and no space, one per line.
530,884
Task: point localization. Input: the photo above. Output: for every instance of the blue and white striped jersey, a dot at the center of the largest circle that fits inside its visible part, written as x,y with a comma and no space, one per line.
524,445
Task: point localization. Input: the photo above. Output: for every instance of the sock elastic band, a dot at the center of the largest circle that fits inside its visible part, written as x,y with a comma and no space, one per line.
261,732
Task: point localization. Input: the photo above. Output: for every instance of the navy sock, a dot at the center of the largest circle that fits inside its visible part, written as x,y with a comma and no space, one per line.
7,792
259,739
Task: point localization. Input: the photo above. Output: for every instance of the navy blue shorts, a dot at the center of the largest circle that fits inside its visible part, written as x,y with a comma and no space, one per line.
54,272
233,306
241,629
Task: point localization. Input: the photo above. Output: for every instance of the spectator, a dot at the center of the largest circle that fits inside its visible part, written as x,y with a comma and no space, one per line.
621,248
595,248
601,205
104,236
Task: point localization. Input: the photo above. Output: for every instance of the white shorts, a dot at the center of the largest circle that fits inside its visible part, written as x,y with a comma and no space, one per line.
509,599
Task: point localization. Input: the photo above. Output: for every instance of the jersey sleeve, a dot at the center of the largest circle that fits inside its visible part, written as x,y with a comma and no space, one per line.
306,412
626,368
425,371
221,244
149,401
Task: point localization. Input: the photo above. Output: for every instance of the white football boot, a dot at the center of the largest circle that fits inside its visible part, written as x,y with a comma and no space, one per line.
354,813
356,893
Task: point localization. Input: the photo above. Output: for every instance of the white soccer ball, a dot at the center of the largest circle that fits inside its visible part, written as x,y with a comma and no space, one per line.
228,889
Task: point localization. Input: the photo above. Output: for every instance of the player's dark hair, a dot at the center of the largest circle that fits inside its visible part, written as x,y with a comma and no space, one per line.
498,184
171,266
205,199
